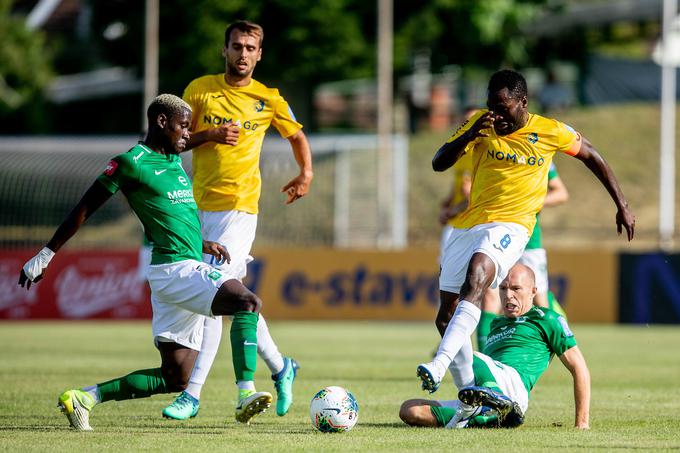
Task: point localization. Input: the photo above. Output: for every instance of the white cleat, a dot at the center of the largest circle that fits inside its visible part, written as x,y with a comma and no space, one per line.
430,375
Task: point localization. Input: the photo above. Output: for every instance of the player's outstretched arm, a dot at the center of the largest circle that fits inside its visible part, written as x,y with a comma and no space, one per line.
299,186
596,164
574,361
92,200
451,151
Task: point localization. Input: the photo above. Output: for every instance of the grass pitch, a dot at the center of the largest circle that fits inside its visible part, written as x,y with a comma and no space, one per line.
635,400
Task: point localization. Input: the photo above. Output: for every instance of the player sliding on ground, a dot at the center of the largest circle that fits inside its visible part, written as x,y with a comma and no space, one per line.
511,153
494,386
184,290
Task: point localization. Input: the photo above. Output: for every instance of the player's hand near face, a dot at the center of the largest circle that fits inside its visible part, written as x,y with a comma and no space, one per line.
484,122
227,134
34,269
447,155
217,250
297,187
625,219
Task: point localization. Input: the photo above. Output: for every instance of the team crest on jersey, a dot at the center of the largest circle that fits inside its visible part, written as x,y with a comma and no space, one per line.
532,138
259,106
214,275
111,168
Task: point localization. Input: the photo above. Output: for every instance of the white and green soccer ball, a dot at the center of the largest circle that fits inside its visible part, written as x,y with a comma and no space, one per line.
334,409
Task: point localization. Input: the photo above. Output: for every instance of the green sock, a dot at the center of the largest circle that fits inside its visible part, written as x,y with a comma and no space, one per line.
483,328
244,345
138,384
493,385
551,300
442,414
483,375
484,421
553,304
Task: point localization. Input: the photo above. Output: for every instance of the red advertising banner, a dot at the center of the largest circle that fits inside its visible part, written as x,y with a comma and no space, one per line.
77,285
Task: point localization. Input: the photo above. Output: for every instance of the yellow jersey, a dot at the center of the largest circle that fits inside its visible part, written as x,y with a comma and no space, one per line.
510,172
228,177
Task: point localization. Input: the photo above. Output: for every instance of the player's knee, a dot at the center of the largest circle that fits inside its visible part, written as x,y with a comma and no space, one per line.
406,413
410,413
481,270
250,302
232,297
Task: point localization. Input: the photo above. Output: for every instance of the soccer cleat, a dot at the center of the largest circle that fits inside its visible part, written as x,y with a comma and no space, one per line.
464,414
427,372
185,406
283,381
484,396
250,404
76,405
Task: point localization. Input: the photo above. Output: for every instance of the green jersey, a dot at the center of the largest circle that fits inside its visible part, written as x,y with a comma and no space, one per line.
160,193
535,241
528,343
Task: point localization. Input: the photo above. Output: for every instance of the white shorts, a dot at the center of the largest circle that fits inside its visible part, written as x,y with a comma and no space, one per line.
236,231
143,261
500,241
182,294
537,260
508,381
446,234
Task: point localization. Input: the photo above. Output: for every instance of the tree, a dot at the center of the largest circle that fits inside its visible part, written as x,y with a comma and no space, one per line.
465,32
306,41
24,61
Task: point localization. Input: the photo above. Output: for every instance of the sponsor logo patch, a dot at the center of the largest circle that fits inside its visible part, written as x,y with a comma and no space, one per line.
565,326
111,168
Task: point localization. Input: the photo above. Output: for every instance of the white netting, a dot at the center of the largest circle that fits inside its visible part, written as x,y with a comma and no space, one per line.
41,179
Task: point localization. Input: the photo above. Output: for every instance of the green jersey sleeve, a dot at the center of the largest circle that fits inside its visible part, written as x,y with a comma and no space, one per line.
119,172
560,336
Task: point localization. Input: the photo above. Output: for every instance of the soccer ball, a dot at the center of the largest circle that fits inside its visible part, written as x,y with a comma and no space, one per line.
333,410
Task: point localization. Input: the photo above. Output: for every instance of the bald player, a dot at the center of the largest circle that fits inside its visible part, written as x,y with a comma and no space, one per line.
495,386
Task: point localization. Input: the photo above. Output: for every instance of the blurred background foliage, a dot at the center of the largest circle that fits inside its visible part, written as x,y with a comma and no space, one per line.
307,43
